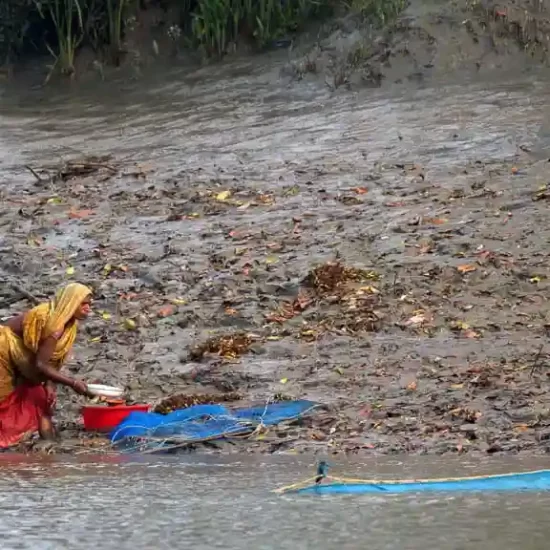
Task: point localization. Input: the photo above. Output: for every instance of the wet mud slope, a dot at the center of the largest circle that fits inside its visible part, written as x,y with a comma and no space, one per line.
383,253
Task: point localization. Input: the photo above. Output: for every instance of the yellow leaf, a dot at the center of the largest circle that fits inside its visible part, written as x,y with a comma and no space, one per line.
368,289
535,279
179,301
107,268
55,200
274,338
457,386
130,324
339,370
271,260
284,380
224,195
95,340
70,270
105,315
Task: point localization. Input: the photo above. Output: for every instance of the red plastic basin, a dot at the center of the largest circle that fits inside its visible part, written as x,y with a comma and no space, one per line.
105,418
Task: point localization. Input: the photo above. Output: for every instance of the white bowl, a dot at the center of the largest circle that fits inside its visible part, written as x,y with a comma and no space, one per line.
105,391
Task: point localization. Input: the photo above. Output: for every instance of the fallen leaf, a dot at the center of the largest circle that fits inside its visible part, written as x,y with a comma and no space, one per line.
368,289
457,386
179,301
412,386
339,370
230,311
274,338
94,340
271,260
535,279
435,221
70,270
416,319
130,324
224,195
244,206
360,190
165,311
54,200
521,427
80,214
105,315
284,380
466,268
107,268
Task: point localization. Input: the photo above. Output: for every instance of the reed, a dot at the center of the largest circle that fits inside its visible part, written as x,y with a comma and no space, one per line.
212,25
217,23
63,14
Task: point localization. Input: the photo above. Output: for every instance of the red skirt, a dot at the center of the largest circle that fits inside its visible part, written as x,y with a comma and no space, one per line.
21,411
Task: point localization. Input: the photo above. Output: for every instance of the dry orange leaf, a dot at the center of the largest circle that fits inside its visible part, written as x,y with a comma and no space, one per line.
435,221
412,386
79,214
166,311
466,268
360,190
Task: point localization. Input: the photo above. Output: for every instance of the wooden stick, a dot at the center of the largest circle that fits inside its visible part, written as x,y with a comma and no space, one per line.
25,293
35,174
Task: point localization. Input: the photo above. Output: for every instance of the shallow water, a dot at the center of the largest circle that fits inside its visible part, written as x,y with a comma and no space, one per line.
207,503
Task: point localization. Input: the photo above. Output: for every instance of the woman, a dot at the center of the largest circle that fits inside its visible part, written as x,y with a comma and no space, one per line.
33,347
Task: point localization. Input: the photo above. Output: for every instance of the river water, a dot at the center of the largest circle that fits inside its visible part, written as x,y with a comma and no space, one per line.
209,502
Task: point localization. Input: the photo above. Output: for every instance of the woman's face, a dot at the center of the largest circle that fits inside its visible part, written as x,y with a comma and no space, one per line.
84,309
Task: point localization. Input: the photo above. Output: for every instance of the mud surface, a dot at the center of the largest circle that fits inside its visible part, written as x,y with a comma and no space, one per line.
215,199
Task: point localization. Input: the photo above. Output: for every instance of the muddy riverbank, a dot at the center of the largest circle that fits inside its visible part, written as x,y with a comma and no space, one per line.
382,251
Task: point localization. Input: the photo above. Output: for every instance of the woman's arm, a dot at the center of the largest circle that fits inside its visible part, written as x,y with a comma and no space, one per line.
42,364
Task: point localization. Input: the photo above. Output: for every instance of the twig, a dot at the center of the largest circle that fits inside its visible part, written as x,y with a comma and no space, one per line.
536,361
25,293
75,164
35,174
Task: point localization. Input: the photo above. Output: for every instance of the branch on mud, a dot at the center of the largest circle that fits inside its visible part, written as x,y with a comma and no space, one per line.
39,178
20,293
536,361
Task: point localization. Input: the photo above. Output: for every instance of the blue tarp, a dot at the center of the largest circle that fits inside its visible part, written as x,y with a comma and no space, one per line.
516,482
207,422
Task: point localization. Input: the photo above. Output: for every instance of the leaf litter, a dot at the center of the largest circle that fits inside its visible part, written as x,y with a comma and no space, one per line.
183,284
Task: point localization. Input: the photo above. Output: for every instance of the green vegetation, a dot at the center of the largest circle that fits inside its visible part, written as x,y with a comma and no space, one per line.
60,27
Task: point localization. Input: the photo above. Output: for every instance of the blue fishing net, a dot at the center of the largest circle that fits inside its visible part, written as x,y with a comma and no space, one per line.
206,422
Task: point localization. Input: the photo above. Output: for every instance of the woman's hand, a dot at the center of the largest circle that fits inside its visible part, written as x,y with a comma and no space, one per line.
80,387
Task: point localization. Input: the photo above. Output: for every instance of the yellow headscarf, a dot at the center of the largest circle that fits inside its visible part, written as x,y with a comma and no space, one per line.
53,317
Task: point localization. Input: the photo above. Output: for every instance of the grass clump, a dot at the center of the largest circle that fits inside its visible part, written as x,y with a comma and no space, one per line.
61,27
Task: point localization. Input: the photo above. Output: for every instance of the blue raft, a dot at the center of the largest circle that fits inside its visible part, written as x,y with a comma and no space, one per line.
534,481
